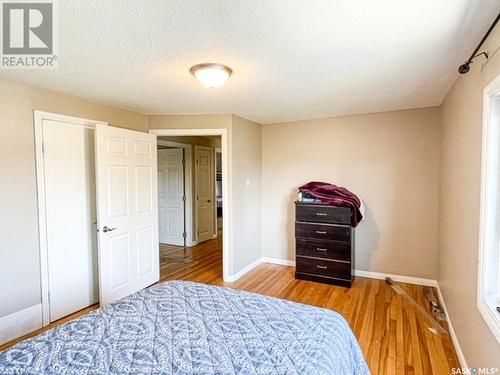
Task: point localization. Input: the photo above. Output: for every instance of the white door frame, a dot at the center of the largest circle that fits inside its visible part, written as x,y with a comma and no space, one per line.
39,116
188,188
227,249
488,240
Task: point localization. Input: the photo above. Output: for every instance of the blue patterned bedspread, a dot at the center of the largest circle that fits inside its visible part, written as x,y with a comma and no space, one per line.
187,328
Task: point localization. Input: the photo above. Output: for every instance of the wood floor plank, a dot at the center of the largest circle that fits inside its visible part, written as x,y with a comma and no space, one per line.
394,338
400,341
414,342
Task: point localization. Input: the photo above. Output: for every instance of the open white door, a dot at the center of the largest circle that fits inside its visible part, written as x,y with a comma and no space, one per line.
127,211
204,193
171,196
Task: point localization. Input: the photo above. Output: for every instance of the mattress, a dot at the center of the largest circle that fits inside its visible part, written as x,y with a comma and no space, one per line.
185,328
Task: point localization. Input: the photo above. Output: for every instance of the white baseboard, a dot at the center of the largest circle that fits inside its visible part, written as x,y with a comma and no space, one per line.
239,274
359,273
453,335
20,323
282,262
251,266
397,278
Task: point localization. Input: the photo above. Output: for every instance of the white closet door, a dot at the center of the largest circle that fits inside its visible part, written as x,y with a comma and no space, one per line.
69,184
127,211
171,196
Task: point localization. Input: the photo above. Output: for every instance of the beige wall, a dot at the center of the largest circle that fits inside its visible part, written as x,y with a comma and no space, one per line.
247,174
389,159
19,254
191,122
459,206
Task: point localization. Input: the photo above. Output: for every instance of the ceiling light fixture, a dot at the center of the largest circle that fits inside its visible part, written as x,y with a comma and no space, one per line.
211,75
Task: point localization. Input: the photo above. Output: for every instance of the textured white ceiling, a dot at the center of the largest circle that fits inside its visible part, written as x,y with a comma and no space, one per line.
292,59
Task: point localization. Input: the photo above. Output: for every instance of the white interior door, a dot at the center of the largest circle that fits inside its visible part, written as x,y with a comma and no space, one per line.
171,196
70,216
127,211
204,195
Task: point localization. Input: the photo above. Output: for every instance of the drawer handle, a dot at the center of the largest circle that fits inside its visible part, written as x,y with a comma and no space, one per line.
321,249
321,214
320,232
322,267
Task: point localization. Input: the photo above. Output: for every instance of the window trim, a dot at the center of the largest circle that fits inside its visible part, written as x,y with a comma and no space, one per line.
490,176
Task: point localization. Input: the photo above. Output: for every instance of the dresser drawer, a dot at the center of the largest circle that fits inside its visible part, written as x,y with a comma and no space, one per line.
330,268
323,231
323,214
332,249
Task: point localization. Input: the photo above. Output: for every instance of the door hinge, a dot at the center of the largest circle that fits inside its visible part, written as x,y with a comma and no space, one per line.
183,161
43,148
184,235
184,198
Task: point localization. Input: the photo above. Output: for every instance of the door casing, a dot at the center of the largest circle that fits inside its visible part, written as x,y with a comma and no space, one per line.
227,234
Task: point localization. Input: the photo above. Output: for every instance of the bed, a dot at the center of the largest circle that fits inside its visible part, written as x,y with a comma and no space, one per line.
185,328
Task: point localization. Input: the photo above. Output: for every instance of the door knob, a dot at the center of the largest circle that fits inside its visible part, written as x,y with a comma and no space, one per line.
106,229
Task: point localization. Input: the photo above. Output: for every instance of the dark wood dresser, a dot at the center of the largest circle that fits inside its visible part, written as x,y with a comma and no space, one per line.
324,242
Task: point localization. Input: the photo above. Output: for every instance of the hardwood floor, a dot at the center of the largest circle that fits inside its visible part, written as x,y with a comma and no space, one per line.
393,337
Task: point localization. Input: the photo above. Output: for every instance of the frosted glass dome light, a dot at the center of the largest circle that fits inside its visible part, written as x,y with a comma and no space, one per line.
211,75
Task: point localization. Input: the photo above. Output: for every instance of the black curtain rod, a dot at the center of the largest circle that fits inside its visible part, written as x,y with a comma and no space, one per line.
464,68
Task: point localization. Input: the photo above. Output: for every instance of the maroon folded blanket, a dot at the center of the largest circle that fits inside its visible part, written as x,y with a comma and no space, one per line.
334,196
